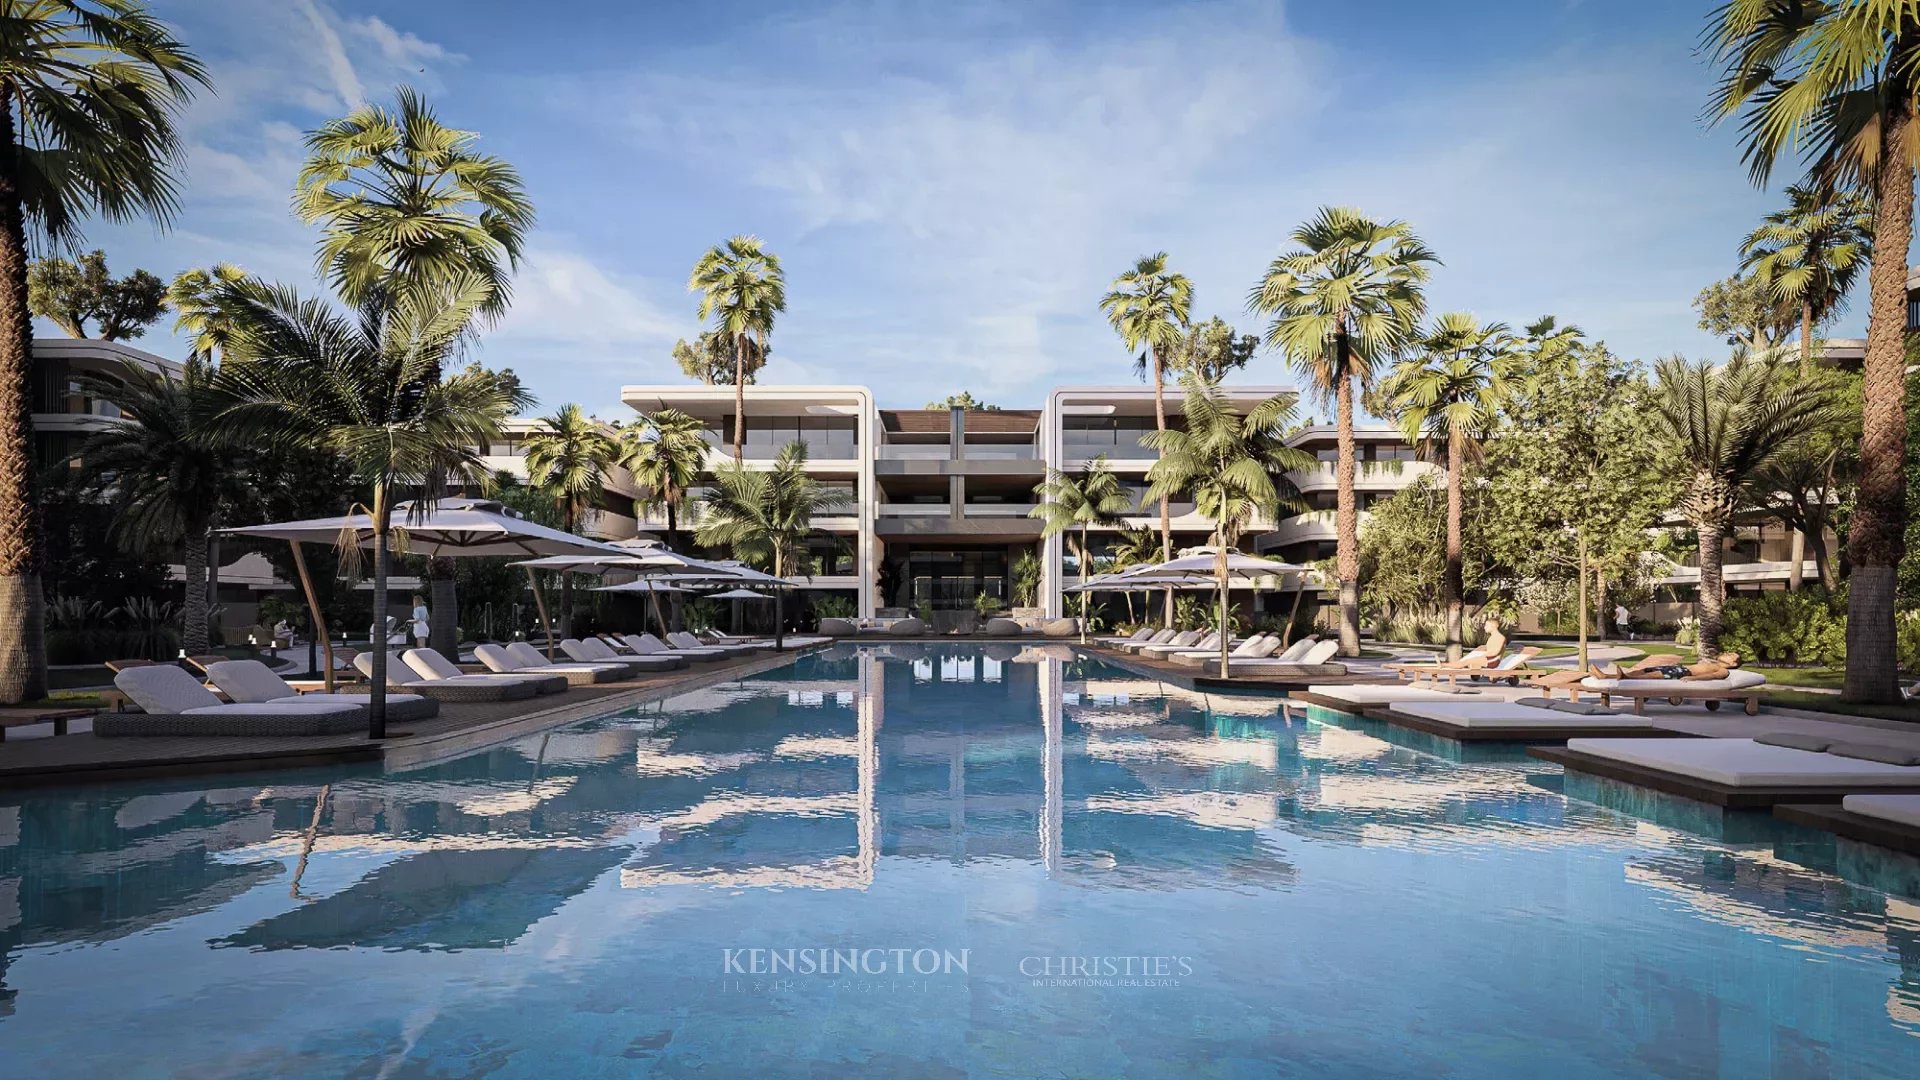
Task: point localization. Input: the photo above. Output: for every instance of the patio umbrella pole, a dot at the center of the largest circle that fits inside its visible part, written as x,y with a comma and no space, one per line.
541,602
313,607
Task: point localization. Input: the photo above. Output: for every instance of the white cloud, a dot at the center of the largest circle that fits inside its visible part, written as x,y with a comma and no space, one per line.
573,324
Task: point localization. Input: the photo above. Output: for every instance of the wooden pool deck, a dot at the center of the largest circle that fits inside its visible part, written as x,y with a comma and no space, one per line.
459,729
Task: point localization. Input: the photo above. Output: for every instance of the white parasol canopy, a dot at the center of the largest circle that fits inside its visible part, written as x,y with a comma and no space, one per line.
738,594
449,528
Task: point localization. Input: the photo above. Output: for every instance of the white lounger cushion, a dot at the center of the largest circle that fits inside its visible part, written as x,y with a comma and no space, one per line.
518,656
1745,763
252,681
703,650
431,665
1900,809
1492,712
1293,652
162,689
1735,680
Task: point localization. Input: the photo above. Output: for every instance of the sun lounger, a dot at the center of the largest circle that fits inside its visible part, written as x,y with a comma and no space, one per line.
526,660
1157,637
1258,647
252,681
1140,635
683,640
595,651
698,654
1737,686
1888,821
1746,772
1313,661
175,703
1208,642
432,667
456,687
1525,720
1182,639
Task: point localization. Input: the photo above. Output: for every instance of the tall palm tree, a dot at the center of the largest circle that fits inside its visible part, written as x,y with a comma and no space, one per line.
1342,302
1233,465
167,478
766,515
403,198
1070,501
742,289
1724,424
569,458
91,92
1837,85
1150,308
1134,547
369,387
195,299
1447,393
1810,252
666,452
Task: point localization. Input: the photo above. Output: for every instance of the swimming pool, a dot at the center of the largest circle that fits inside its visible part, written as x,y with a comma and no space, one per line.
929,861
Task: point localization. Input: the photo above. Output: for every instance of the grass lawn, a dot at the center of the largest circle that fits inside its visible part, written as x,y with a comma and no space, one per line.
68,699
1812,677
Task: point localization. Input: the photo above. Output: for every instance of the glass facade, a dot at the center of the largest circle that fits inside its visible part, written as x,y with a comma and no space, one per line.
1114,436
951,580
826,437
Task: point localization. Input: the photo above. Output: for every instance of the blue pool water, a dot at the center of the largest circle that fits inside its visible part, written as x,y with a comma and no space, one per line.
1032,864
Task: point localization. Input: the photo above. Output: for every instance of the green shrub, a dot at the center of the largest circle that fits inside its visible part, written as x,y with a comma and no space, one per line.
833,606
1906,637
1786,627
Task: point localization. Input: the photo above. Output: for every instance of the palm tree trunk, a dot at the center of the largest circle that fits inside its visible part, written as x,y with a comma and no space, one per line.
1220,569
779,602
23,643
1166,516
566,587
739,396
1806,333
1876,538
1712,602
1293,617
1081,558
213,579
377,696
1346,513
673,536
193,615
1453,586
443,610
1816,534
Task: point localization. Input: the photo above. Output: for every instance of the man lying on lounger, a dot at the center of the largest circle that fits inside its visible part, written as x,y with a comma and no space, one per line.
1670,667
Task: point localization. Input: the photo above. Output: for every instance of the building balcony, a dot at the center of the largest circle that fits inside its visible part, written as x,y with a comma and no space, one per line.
607,525
1368,476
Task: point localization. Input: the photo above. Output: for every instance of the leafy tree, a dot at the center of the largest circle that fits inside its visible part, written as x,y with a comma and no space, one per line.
1213,350
1723,424
569,458
710,358
1809,253
1232,465
1836,85
1403,549
1575,478
1808,485
962,400
92,89
666,452
195,298
1027,571
1079,501
405,201
1149,307
1342,302
1133,547
766,515
167,478
70,295
1447,393
1744,312
371,389
742,289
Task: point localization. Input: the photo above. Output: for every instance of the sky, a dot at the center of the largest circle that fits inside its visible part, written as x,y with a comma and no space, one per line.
952,186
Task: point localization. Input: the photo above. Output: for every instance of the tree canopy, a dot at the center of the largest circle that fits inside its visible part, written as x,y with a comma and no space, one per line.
72,294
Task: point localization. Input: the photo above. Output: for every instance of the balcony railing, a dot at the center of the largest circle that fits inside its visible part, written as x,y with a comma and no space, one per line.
915,509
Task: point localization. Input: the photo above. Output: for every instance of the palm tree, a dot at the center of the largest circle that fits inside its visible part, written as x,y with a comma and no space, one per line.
1724,425
91,93
195,299
1809,253
766,515
742,289
1342,302
370,388
167,478
1070,501
1150,309
1233,465
1134,547
569,458
666,452
1838,85
710,358
403,198
1447,392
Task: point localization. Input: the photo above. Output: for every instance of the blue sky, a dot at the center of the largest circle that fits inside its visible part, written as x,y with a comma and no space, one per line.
952,186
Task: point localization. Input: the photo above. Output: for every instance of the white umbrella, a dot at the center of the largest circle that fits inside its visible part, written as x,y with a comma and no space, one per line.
1206,564
739,594
446,528
644,585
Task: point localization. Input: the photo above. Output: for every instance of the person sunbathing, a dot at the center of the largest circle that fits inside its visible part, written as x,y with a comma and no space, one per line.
1670,667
